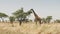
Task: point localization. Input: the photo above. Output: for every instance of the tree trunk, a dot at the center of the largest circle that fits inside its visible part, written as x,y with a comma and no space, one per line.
20,21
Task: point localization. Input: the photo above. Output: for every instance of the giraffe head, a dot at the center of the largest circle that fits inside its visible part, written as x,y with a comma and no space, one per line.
32,10
29,12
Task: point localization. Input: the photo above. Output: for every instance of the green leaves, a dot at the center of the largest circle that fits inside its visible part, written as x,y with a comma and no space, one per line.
11,19
47,19
21,14
57,21
3,15
18,12
44,20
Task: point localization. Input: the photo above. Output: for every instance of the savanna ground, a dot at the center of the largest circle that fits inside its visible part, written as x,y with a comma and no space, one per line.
30,28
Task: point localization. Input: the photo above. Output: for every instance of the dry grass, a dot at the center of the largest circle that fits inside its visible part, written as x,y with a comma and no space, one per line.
29,28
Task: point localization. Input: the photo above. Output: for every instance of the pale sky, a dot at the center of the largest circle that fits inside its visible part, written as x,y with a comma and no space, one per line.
42,7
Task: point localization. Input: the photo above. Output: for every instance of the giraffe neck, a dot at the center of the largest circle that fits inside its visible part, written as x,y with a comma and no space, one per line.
35,14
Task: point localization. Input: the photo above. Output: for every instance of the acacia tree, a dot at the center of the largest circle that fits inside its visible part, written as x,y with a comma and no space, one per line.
21,15
18,14
2,16
12,19
57,21
48,19
44,20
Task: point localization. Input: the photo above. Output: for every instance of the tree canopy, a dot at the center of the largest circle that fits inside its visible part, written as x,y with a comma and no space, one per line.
21,15
3,15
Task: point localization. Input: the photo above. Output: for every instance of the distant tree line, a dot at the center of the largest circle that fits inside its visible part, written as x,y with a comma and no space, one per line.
21,16
47,19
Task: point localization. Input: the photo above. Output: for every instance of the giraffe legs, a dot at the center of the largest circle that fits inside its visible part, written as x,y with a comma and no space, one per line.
40,21
36,21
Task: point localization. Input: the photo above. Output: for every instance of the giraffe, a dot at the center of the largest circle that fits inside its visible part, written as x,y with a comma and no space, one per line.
37,18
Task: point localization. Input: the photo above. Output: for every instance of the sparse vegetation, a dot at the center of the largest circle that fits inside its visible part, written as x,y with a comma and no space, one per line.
47,19
12,19
57,21
21,15
2,16
28,28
